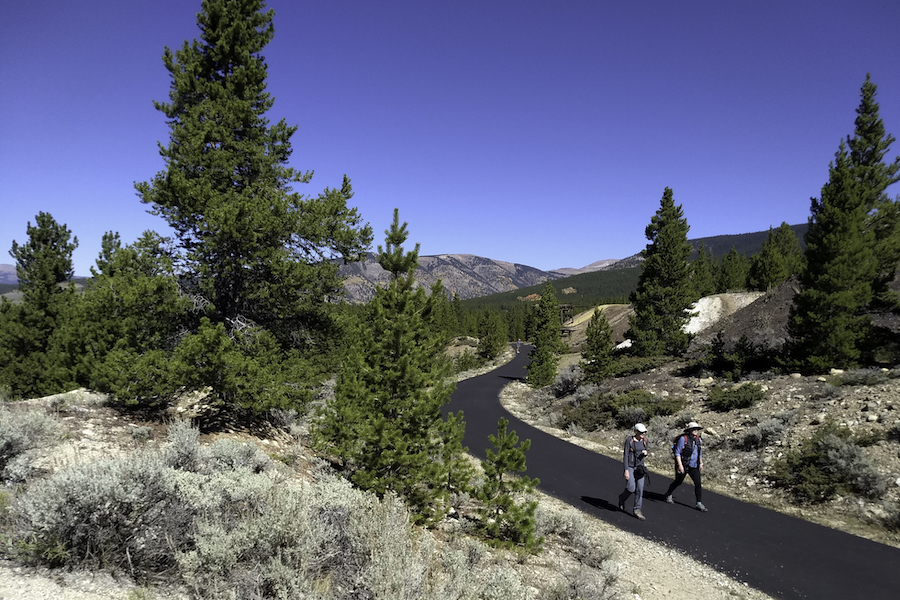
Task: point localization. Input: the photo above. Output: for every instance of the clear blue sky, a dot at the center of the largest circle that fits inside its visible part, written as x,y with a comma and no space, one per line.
529,131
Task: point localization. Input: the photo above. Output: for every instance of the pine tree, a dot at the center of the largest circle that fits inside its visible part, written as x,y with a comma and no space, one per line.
868,147
385,420
825,325
258,251
503,520
545,335
664,294
43,267
491,335
133,306
703,279
597,355
779,259
734,272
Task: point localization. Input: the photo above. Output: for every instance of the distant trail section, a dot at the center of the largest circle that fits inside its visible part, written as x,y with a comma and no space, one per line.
783,556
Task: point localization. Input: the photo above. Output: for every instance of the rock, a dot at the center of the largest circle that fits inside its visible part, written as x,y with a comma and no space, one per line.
710,431
796,376
818,419
836,372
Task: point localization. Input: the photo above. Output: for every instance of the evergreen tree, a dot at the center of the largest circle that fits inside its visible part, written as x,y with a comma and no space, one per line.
703,273
597,355
385,420
734,272
779,259
133,306
868,147
825,325
504,521
545,336
43,267
258,251
664,294
491,335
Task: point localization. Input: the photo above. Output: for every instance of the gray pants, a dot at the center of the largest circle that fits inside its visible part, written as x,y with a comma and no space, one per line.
632,486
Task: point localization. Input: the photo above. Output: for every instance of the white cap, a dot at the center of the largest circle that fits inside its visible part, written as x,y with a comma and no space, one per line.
640,427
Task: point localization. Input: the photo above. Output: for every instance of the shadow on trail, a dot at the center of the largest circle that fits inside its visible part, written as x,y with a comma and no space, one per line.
783,556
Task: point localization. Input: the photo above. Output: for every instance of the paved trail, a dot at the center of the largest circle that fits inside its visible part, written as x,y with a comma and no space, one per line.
783,556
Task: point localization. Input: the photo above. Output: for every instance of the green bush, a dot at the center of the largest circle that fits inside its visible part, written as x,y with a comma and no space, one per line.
827,464
624,366
466,361
601,410
723,400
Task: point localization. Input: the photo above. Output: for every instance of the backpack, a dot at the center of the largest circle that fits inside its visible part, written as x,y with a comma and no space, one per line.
687,450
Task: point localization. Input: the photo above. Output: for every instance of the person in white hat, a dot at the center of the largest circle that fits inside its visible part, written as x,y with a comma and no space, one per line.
636,449
688,450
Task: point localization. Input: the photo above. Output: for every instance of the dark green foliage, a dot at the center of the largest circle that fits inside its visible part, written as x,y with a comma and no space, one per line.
827,464
826,327
43,266
779,259
602,410
384,420
868,147
591,289
733,273
133,305
664,295
725,399
491,335
703,273
743,358
466,361
254,249
632,365
504,521
597,353
853,246
545,335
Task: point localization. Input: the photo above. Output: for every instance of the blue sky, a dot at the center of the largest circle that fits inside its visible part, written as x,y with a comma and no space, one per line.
536,132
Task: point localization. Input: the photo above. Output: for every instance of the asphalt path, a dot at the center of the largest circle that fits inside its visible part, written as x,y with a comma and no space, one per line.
780,555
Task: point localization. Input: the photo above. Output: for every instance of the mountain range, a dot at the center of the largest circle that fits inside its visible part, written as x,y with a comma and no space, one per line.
470,276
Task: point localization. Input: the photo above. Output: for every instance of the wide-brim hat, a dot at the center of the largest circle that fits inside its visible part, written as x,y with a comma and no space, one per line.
692,425
640,427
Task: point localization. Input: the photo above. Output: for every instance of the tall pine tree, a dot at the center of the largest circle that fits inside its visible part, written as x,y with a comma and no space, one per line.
597,355
826,326
545,335
779,259
256,250
385,419
703,273
43,266
868,147
734,271
664,294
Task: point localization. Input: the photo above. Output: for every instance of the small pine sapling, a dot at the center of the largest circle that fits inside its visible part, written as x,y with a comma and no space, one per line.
504,521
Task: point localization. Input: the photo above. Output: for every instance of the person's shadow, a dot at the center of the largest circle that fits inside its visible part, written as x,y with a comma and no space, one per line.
600,503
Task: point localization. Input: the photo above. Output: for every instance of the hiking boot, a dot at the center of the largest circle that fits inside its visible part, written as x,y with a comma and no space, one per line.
639,515
701,508
669,500
622,506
